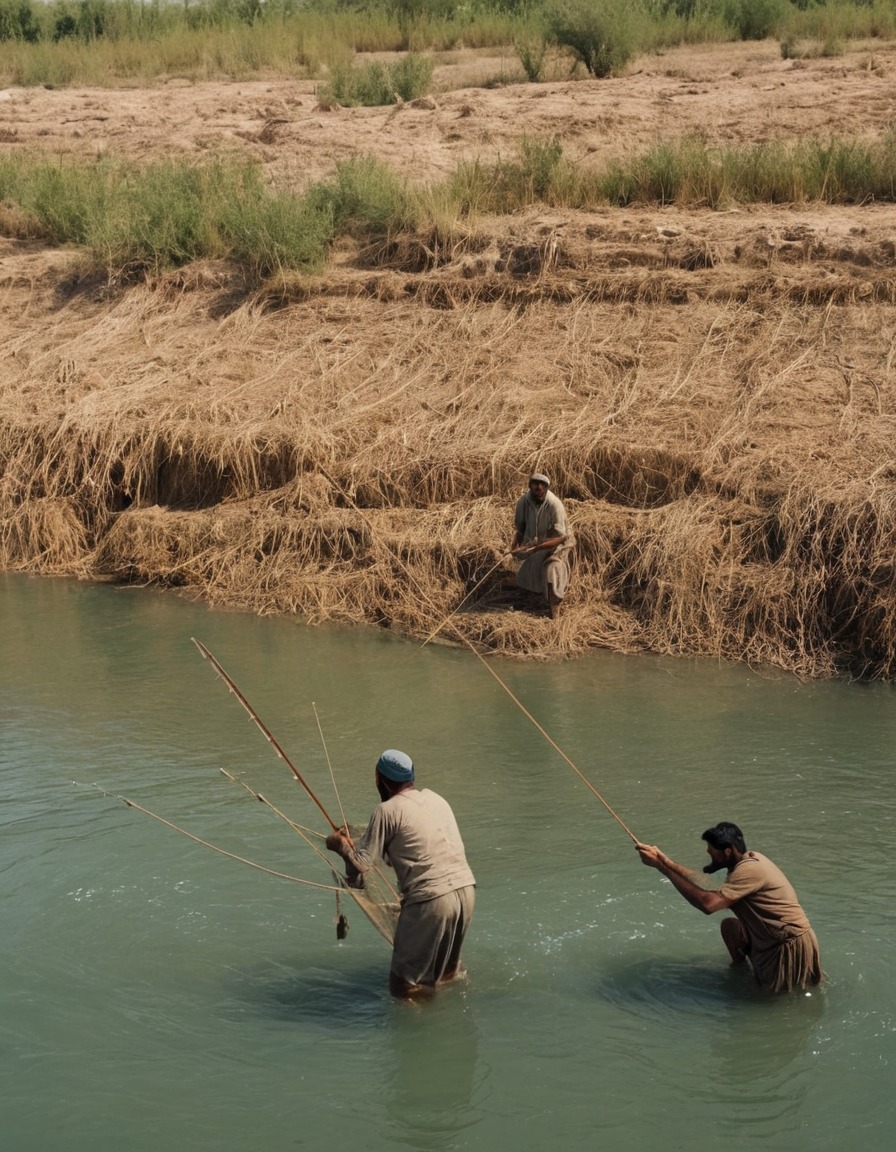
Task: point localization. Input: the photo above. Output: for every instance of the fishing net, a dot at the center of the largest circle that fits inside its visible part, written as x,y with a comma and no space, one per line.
376,898
374,893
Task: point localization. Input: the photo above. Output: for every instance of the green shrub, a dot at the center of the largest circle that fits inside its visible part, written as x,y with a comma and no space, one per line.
167,213
599,33
366,198
531,52
374,84
539,173
18,21
412,76
272,234
756,19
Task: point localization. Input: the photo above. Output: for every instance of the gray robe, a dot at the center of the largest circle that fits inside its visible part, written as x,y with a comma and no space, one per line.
548,569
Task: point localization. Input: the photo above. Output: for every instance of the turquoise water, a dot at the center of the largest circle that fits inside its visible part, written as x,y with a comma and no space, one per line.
156,995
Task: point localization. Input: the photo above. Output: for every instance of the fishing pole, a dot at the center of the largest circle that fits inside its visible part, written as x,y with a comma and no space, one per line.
488,667
554,744
305,833
377,869
329,765
265,731
500,561
214,847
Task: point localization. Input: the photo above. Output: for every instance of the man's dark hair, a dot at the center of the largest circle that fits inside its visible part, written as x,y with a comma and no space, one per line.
725,835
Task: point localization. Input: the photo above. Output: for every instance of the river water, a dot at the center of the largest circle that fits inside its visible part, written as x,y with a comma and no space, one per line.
157,995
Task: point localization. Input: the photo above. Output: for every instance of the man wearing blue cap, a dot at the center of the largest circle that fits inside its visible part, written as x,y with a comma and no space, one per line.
414,830
543,541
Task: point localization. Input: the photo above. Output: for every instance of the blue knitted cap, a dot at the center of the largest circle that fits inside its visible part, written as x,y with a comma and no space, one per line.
396,766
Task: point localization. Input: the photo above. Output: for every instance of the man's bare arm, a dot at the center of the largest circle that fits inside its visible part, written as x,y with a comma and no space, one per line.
703,899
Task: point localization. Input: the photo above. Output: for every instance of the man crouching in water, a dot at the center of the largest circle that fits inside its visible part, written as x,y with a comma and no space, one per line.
769,928
415,831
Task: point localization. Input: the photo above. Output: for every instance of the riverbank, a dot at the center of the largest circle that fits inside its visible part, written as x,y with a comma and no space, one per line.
712,392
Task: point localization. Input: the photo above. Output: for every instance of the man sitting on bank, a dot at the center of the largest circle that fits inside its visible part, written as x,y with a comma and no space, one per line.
769,928
542,538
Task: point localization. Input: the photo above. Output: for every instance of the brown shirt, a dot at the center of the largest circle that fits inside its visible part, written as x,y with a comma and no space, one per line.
766,903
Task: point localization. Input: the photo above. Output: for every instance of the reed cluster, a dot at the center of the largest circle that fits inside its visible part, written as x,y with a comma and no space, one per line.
131,220
374,84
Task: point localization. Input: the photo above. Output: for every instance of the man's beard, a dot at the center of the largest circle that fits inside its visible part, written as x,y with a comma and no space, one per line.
714,867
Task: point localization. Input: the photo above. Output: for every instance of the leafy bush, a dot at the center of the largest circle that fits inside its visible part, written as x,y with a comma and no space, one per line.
756,19
366,198
88,20
18,21
599,33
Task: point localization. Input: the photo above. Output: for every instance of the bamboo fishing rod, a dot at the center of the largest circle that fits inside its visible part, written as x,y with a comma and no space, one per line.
265,731
323,741
478,583
214,847
376,868
306,833
485,664
525,711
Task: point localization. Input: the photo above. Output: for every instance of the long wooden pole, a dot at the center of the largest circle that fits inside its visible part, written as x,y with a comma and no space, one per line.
553,743
488,667
206,844
478,583
265,731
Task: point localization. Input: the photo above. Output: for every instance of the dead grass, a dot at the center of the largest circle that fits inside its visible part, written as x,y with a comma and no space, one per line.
353,455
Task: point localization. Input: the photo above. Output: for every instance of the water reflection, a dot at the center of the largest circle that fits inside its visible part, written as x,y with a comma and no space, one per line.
663,989
342,998
761,1039
433,1073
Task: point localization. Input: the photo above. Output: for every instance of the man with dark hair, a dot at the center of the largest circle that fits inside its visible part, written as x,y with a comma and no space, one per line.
415,832
769,928
543,541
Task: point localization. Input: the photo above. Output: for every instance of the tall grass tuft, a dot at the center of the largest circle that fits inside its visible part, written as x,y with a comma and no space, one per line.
102,42
132,219
373,84
531,52
538,174
756,19
366,198
166,214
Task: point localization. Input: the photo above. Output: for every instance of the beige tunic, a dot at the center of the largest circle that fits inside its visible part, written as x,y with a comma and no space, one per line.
547,569
415,831
783,948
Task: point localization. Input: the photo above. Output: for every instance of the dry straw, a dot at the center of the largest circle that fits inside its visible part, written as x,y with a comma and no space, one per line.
727,465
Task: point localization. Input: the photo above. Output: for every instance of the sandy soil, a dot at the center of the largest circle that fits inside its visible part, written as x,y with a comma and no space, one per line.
738,93
729,93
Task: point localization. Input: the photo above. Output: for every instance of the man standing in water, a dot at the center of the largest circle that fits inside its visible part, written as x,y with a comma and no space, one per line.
769,928
543,539
415,831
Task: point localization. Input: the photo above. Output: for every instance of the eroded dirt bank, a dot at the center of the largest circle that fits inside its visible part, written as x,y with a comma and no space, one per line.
712,392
